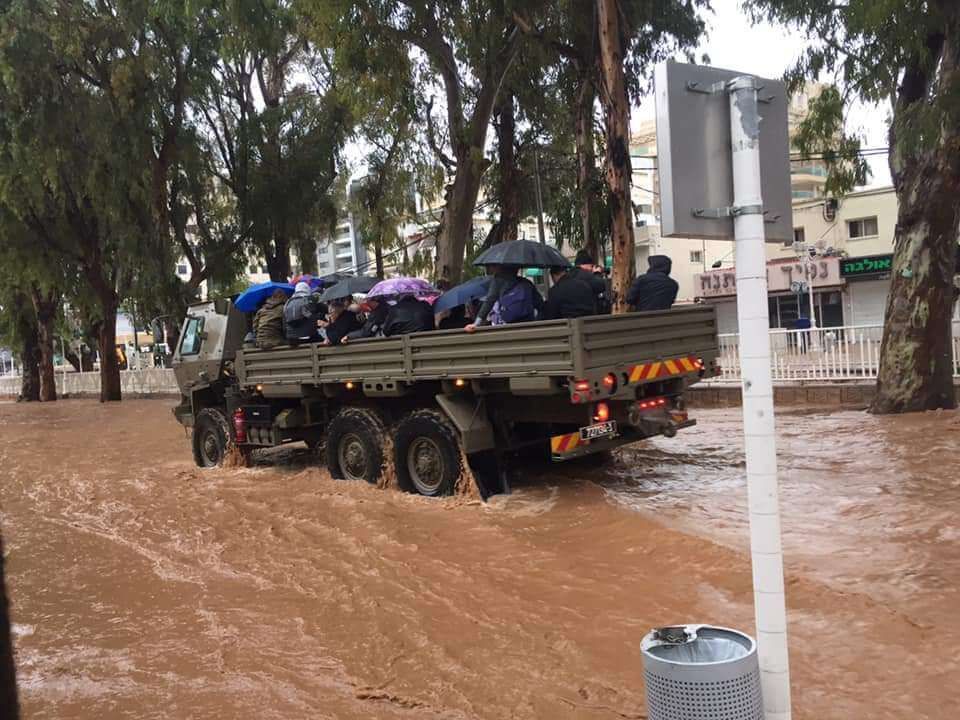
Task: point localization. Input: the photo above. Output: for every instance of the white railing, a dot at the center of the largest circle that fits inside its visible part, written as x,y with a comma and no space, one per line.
151,381
848,352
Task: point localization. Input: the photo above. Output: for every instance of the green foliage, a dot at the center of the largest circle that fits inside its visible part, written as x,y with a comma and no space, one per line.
880,51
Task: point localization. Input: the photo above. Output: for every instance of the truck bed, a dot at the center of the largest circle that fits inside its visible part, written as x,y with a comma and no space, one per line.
554,348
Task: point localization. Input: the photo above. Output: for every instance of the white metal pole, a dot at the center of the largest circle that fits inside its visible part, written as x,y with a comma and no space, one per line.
758,420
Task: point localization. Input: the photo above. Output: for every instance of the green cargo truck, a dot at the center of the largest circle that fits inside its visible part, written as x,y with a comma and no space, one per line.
429,402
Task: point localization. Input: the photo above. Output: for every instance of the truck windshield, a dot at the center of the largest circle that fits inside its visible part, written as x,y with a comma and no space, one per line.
190,344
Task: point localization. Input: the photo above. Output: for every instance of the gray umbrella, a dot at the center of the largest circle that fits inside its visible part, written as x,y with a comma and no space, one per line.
522,253
349,286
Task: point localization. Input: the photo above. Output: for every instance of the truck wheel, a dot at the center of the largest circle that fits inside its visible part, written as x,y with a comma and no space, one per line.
427,454
211,436
355,445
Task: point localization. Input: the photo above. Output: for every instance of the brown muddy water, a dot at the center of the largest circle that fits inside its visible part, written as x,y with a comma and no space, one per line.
143,587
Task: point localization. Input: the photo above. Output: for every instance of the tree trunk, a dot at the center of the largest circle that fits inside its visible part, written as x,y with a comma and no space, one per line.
916,357
587,166
457,221
617,168
278,261
45,307
109,363
510,176
29,351
378,257
8,681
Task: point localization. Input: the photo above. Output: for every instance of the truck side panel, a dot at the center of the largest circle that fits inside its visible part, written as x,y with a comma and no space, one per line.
557,348
541,348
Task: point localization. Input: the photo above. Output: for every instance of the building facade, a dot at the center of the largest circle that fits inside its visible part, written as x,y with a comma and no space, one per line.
848,277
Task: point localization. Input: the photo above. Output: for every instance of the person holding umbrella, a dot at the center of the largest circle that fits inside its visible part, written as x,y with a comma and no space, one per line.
516,298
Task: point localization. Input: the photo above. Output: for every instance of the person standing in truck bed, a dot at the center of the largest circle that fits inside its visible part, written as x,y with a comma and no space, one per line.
569,297
655,289
585,272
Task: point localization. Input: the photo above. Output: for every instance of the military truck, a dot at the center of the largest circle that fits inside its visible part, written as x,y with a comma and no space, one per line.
430,405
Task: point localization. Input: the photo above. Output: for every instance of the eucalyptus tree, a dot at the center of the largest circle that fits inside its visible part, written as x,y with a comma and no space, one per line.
905,55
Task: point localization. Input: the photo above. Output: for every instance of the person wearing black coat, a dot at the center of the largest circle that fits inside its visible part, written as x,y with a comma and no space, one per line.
655,289
584,272
300,314
342,322
373,325
409,315
569,297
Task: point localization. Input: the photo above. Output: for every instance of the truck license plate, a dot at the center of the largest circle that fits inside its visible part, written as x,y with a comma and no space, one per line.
604,429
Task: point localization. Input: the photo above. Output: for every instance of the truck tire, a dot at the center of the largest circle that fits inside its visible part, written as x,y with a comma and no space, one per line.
211,437
355,445
427,454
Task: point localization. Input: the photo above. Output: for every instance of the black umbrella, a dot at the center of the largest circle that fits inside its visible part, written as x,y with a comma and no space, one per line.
349,286
522,253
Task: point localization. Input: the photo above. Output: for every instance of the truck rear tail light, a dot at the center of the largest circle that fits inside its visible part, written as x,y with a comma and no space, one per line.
582,385
239,426
459,382
610,382
601,412
652,403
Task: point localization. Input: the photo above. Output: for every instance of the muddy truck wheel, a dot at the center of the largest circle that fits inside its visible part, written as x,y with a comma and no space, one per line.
211,437
427,454
355,445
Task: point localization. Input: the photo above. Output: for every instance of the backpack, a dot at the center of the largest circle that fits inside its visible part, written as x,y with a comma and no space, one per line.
516,304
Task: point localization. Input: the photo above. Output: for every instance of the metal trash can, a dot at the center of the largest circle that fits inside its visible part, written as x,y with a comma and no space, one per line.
701,672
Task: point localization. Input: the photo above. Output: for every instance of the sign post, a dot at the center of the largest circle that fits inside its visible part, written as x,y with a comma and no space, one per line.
758,419
724,173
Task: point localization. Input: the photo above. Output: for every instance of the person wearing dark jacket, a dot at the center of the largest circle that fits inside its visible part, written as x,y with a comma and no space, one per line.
584,272
301,313
409,315
342,322
569,297
655,289
373,325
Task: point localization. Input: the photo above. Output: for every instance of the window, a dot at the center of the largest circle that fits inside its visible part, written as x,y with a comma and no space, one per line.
192,336
799,236
181,269
696,256
645,209
863,228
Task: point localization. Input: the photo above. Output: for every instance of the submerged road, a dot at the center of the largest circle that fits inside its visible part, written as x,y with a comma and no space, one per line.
143,587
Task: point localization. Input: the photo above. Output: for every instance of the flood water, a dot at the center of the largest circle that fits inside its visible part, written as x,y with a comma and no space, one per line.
143,587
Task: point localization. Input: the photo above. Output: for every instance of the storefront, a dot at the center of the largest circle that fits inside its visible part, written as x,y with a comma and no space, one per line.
868,282
787,300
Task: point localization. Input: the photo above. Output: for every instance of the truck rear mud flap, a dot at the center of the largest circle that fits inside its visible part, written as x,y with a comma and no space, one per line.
571,445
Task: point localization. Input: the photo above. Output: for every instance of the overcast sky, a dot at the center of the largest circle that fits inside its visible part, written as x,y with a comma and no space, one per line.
767,50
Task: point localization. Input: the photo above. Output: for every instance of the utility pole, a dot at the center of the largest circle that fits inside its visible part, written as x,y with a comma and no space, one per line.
759,436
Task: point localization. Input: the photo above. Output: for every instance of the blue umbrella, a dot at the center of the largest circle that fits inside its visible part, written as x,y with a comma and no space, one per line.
462,294
253,297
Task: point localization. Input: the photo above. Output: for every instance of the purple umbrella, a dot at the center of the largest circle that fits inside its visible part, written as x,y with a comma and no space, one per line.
394,287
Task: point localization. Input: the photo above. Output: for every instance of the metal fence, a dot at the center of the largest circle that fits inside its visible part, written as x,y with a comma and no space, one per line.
848,352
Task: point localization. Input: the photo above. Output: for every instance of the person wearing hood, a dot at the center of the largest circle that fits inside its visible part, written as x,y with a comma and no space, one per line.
301,313
268,322
655,289
409,315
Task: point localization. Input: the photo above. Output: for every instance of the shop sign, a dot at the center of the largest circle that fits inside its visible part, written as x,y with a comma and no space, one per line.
820,272
870,265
